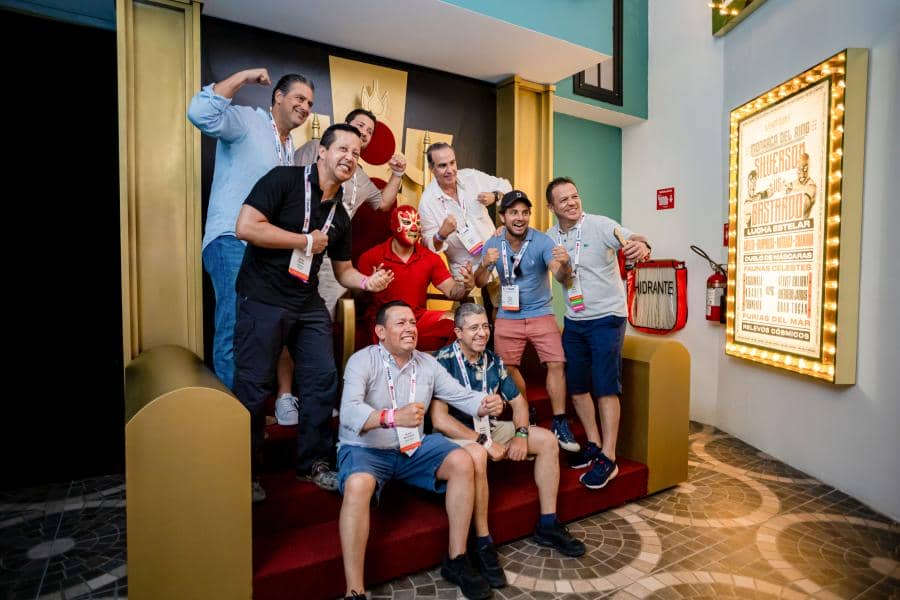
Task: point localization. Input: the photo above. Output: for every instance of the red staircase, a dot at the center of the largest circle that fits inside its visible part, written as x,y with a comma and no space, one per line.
296,547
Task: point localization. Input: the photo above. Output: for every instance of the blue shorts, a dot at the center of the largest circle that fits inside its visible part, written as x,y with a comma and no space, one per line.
594,355
419,470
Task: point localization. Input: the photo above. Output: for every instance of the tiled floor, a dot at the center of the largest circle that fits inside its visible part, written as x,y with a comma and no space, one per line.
743,526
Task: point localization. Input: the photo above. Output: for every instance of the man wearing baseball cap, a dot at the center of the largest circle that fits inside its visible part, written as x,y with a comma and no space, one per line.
522,256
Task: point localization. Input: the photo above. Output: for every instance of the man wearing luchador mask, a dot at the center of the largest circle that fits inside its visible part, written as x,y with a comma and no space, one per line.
415,267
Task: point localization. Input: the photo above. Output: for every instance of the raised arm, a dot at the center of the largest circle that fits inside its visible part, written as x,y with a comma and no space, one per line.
211,110
230,85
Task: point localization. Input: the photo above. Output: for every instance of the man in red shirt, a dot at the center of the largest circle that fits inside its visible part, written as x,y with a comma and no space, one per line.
415,267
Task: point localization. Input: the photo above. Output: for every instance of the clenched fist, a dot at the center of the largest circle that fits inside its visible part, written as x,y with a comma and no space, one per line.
320,241
410,415
448,226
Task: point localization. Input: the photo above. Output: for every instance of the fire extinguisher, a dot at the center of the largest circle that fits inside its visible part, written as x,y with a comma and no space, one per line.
716,289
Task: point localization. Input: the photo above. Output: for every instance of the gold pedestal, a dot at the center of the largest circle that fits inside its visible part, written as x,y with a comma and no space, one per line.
187,476
654,428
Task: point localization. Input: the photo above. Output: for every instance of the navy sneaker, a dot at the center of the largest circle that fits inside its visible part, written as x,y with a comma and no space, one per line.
560,429
589,454
602,472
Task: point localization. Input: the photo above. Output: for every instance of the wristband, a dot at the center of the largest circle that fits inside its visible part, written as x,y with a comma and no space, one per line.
522,432
309,244
381,419
390,418
439,237
398,173
362,284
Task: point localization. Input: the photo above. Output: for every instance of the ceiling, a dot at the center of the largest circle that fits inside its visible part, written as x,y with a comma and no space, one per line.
429,33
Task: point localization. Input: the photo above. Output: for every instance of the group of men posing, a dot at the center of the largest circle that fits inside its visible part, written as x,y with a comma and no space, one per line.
277,215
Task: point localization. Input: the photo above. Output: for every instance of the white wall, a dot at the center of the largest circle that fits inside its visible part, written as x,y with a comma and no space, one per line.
679,146
848,437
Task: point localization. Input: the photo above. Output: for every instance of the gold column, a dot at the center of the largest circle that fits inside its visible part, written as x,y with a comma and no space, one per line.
525,141
159,170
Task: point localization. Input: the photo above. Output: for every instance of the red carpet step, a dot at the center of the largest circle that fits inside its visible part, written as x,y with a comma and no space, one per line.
295,531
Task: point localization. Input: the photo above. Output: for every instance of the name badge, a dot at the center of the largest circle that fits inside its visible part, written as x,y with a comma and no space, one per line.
301,264
471,240
509,298
410,440
574,296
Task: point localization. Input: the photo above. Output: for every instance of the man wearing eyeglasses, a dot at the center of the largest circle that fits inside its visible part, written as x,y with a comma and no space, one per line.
470,362
522,256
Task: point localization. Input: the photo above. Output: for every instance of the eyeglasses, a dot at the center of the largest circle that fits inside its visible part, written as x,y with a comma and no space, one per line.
474,329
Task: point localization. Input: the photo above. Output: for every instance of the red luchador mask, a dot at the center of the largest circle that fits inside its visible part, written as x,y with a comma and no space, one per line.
405,225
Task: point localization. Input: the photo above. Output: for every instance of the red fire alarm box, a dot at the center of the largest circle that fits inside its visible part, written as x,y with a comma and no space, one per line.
665,198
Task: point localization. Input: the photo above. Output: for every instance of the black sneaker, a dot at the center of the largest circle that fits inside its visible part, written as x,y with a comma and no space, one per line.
354,595
459,571
488,564
557,536
588,454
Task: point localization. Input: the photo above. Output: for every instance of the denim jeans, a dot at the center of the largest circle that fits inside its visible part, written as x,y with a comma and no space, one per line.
222,260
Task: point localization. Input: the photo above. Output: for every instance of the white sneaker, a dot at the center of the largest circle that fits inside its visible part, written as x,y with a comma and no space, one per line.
286,412
257,492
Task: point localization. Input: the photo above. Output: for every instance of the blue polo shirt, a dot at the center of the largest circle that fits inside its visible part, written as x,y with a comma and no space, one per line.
498,379
534,284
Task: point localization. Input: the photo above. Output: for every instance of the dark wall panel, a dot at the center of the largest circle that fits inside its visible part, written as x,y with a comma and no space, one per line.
435,100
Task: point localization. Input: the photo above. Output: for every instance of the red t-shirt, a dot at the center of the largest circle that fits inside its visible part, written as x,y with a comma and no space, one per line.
411,278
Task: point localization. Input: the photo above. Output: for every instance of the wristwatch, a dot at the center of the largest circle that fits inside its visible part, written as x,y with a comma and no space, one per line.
522,432
482,438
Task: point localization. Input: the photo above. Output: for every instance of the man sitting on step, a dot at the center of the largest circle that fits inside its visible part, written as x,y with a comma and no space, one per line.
387,389
470,362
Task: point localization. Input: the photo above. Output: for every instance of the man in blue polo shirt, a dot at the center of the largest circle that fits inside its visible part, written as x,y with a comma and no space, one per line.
522,257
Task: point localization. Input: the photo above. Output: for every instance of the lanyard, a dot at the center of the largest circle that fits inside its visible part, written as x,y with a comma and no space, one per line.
353,194
577,254
465,372
390,380
462,205
307,204
516,259
285,152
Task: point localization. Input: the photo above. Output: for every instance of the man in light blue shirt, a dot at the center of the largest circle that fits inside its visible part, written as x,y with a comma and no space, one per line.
250,142
522,257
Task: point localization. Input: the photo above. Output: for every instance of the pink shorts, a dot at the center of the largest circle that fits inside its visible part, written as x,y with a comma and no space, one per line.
511,335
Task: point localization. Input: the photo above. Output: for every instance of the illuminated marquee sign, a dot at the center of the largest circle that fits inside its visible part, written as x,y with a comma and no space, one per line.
795,214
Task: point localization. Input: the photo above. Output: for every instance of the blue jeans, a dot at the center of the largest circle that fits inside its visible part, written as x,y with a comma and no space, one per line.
222,260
